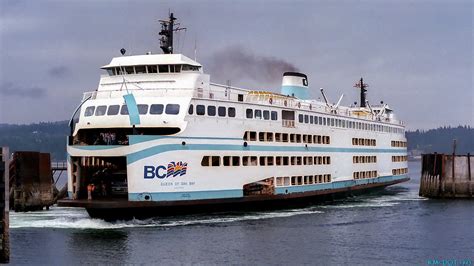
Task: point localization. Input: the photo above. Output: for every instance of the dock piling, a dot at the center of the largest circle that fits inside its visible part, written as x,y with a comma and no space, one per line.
4,195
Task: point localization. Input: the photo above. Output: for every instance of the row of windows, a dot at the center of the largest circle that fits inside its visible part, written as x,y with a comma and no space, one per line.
129,70
399,158
211,110
364,159
302,180
264,160
364,174
259,114
364,142
286,137
155,109
396,143
342,123
399,171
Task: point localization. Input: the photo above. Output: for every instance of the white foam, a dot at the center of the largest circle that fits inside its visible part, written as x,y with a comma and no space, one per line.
71,218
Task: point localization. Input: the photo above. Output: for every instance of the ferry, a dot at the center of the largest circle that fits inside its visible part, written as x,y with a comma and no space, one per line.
157,137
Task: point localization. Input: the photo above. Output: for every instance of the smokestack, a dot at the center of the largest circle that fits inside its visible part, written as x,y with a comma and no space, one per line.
295,84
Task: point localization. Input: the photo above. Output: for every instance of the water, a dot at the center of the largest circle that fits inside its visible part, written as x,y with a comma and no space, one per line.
394,226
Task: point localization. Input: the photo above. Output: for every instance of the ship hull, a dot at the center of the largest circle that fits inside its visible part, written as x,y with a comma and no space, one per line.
111,210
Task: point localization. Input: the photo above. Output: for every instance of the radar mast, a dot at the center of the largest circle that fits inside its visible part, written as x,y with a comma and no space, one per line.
167,30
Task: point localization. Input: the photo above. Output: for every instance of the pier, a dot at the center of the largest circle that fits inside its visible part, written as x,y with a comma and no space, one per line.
31,175
4,206
446,176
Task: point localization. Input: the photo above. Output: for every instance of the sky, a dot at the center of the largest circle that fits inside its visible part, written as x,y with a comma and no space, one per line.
417,56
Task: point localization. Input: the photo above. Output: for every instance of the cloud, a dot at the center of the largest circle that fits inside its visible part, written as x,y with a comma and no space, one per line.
9,89
59,71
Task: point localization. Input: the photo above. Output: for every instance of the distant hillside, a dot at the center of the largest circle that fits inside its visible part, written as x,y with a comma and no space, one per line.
45,137
440,140
51,137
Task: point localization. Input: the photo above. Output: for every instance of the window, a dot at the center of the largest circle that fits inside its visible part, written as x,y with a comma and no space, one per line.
235,160
249,113
311,119
190,110
226,161
269,136
142,109
306,119
266,115
124,110
300,118
253,135
200,109
152,69
274,115
157,109
172,109
190,68
221,111
113,110
211,110
110,71
163,68
215,160
258,114
89,111
140,69
129,70
205,161
175,68
101,109
231,112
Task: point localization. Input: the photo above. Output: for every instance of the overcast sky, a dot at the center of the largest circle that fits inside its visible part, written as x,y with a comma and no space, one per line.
417,56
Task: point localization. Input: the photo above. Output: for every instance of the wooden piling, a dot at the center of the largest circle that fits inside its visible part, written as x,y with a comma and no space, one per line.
4,195
446,176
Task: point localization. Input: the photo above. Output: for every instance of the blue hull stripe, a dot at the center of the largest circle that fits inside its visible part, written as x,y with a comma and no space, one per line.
195,195
238,193
133,157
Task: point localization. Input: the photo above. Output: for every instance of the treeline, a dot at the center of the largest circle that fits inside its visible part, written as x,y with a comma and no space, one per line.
44,137
51,137
440,140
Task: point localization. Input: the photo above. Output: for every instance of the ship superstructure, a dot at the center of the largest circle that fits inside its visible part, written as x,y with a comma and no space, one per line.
157,136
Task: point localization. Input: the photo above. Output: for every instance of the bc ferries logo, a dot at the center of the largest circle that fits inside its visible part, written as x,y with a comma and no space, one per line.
161,171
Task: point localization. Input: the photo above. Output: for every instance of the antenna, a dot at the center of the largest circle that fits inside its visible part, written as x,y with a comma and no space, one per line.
363,91
167,30
338,102
324,97
195,49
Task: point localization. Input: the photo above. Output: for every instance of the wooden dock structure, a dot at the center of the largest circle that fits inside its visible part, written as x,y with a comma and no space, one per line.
446,176
4,206
31,181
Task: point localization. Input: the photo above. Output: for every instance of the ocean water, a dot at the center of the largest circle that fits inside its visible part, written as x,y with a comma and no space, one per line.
393,226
